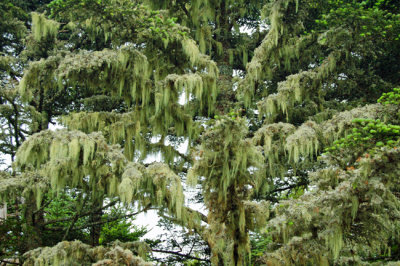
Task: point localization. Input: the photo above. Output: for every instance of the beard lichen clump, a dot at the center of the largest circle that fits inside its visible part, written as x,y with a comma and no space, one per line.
78,253
345,208
87,162
43,28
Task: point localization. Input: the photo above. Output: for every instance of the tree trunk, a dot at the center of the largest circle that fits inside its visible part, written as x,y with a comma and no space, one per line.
94,218
34,225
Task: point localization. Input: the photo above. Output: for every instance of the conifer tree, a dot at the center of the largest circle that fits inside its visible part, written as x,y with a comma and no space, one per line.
322,65
298,125
230,165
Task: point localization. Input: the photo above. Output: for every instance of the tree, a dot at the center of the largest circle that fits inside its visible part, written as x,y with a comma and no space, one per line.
333,57
230,164
52,88
319,148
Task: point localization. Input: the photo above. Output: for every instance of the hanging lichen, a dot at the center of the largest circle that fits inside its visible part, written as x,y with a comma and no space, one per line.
225,160
303,142
74,159
134,72
269,52
77,253
42,27
273,139
329,212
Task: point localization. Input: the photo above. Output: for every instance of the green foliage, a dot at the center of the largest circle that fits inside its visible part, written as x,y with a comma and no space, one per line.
63,206
259,243
12,28
12,239
122,230
368,134
392,97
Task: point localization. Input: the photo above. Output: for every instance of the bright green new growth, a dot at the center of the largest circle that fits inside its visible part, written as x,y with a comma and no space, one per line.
369,134
392,97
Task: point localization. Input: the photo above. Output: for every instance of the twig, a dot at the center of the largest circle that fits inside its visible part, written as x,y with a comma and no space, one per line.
9,262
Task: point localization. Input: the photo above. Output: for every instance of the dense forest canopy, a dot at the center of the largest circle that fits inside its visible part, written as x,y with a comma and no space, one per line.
290,108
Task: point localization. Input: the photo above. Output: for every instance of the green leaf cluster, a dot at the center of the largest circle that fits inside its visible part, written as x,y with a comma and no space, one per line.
392,97
368,134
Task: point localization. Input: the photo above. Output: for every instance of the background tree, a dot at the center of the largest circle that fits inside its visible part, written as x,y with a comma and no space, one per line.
153,89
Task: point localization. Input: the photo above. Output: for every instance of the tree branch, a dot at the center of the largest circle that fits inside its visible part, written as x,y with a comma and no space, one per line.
101,222
8,262
199,229
180,254
81,215
202,216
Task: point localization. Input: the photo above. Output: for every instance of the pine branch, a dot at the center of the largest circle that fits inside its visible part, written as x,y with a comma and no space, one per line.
109,220
81,215
180,254
43,206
